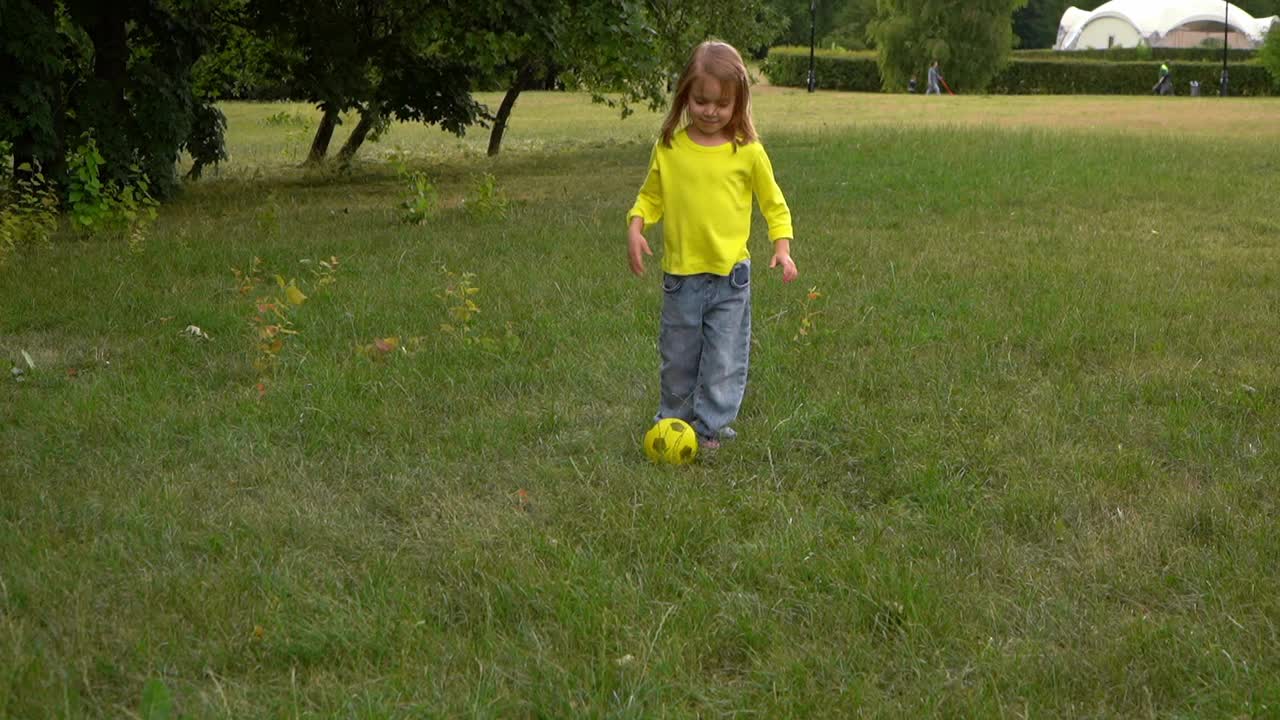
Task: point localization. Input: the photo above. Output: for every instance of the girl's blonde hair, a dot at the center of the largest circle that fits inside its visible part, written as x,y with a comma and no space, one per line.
722,62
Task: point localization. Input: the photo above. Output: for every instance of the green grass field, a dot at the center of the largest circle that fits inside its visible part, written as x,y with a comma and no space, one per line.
1023,464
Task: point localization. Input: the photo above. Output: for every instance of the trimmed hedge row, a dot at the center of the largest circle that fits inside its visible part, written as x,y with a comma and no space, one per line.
1196,54
835,69
1095,77
858,72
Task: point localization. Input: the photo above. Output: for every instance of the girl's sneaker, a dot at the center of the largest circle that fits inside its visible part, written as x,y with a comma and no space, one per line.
713,443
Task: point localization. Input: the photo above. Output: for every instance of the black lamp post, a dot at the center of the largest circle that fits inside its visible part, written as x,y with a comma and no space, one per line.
813,31
1226,12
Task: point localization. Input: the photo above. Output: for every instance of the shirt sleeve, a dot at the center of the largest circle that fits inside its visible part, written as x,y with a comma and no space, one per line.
772,204
648,203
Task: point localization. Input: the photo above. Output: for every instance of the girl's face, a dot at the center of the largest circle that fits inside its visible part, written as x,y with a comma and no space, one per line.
710,106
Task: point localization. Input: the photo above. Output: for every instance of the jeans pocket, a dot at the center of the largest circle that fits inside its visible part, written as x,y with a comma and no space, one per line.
671,283
740,276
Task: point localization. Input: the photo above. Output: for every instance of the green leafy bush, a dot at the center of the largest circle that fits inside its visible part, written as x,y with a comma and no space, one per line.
123,208
87,200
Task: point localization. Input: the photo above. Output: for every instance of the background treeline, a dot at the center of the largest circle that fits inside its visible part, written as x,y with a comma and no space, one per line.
117,91
239,66
112,94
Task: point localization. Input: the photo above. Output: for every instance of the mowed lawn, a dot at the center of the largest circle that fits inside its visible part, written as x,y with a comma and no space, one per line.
1022,460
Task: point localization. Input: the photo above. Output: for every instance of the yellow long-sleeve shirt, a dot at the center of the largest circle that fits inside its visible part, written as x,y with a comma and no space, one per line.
703,195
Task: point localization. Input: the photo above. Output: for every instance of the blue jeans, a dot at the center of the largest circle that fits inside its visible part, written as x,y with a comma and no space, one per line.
705,343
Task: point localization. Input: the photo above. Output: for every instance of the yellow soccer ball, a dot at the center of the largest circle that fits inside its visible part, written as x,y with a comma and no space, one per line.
672,441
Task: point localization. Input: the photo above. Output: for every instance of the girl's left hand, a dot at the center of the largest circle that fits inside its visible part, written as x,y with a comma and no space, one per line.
789,271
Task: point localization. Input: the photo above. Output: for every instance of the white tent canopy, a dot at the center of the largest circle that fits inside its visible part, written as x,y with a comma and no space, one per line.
1173,23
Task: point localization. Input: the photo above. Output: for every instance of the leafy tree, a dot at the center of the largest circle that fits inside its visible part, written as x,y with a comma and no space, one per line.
120,70
1036,24
138,99
679,25
1269,55
1259,8
601,46
835,22
621,51
382,58
849,29
970,40
240,64
797,18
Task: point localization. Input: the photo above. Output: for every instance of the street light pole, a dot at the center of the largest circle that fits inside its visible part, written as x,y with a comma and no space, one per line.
1226,15
813,31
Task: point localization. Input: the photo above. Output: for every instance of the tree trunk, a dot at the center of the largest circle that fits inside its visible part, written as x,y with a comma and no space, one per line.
523,78
105,106
324,133
368,119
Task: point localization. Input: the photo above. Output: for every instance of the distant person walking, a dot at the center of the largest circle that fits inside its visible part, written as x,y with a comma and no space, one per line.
1163,86
934,76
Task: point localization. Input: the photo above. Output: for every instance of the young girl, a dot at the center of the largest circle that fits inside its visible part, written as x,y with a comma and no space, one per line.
703,171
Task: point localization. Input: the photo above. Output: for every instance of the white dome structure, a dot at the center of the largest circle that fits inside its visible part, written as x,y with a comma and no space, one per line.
1172,23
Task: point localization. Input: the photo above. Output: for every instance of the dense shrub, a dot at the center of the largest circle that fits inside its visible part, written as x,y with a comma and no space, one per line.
1070,75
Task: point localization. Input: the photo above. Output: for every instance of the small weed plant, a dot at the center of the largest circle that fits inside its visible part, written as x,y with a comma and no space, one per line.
324,272
28,210
274,307
486,200
422,201
296,126
248,278
808,316
272,322
459,294
267,219
286,119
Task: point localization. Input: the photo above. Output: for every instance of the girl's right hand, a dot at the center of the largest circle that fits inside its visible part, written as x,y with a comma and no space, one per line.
637,248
